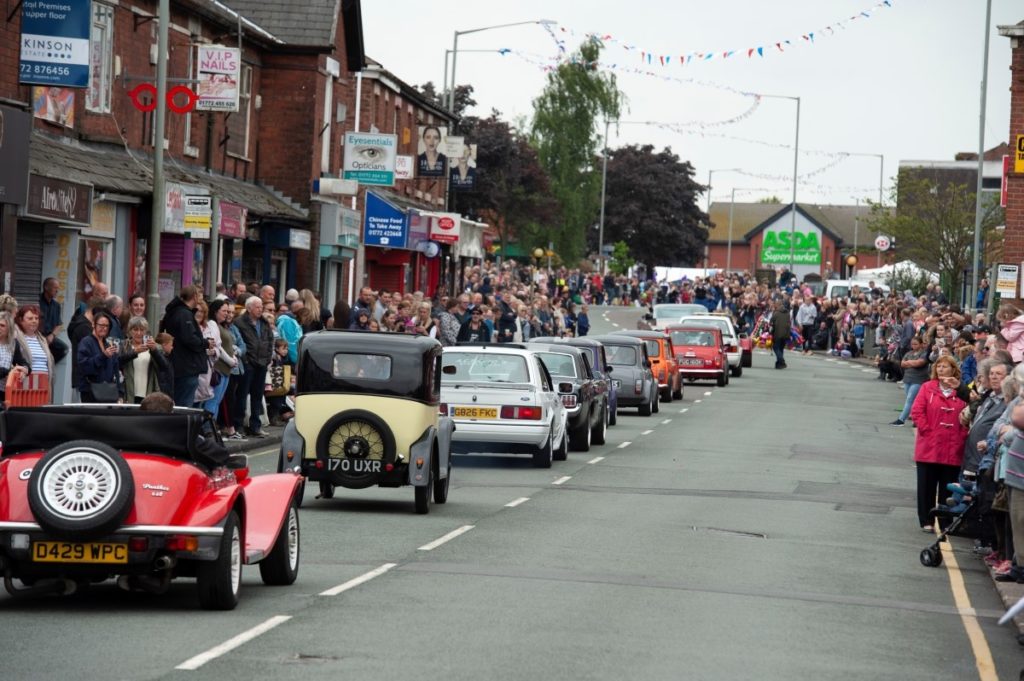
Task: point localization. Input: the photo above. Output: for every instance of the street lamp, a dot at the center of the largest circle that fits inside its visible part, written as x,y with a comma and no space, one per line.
710,173
447,54
981,164
796,159
604,187
455,48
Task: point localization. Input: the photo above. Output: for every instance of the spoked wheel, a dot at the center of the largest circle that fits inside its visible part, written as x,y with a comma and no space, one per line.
219,580
931,557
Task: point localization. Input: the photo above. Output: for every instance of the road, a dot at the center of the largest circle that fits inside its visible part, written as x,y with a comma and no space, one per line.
765,530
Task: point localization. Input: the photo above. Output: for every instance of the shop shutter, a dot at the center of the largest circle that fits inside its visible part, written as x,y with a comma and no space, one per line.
28,263
386,277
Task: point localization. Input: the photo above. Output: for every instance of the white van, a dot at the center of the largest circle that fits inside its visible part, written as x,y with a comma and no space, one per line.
840,288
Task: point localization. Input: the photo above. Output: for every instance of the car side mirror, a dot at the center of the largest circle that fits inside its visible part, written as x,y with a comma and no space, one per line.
608,369
565,387
449,369
647,364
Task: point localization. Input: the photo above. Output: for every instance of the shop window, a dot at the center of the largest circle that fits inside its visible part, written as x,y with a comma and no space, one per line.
101,58
238,122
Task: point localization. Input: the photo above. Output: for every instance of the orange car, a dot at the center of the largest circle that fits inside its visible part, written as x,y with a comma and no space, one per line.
663,362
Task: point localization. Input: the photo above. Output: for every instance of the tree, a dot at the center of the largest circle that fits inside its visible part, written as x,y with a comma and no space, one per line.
463,97
651,205
564,132
770,199
933,225
620,262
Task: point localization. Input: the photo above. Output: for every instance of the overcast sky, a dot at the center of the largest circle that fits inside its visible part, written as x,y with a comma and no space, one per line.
904,82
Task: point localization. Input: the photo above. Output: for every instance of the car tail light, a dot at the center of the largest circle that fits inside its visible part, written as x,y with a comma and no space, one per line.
521,413
718,360
442,409
638,387
569,401
182,542
138,544
730,348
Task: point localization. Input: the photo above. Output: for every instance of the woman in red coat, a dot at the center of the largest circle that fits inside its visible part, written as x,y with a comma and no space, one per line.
939,449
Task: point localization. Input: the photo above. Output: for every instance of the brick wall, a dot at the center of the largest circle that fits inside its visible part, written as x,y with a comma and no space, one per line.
1013,246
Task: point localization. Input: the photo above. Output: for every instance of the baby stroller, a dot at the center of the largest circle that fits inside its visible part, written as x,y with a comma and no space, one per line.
958,510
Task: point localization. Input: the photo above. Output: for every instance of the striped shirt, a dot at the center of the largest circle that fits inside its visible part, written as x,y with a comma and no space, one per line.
6,357
35,348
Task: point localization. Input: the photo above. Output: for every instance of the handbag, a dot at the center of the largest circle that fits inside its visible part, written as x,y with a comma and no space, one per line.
215,376
1001,502
105,391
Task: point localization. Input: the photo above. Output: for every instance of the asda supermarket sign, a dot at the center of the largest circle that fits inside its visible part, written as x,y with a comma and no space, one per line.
779,248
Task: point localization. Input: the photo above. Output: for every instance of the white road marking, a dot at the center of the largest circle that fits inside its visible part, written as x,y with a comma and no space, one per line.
683,411
361,579
562,480
447,538
868,371
625,444
615,325
597,459
263,452
707,394
520,500
647,432
202,658
666,422
697,401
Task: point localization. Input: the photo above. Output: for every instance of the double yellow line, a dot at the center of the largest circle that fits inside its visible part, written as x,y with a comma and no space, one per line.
968,615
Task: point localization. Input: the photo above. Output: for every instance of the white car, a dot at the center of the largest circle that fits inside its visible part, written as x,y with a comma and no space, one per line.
502,399
729,337
666,314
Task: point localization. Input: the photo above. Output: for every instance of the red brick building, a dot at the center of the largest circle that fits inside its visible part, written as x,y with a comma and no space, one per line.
1013,246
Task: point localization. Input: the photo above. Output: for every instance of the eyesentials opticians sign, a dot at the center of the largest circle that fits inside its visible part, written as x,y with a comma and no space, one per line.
55,42
781,245
370,158
384,225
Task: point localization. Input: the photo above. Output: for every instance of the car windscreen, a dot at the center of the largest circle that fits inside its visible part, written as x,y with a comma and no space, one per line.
558,364
484,367
677,311
621,355
704,339
653,348
720,324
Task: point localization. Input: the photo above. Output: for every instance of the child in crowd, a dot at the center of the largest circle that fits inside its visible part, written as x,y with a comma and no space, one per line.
165,373
279,384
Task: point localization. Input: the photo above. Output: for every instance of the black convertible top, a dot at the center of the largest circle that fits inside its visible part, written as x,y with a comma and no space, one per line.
123,427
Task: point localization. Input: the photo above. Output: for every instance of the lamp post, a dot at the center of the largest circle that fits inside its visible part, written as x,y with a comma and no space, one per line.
604,188
981,164
455,48
796,159
447,54
710,174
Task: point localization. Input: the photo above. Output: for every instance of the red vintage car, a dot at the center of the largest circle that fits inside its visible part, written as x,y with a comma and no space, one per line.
96,492
700,353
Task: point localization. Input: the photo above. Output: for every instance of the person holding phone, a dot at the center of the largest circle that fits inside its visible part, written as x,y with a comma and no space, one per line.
142,362
98,363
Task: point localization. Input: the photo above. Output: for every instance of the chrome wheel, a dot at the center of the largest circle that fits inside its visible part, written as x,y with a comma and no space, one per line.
79,485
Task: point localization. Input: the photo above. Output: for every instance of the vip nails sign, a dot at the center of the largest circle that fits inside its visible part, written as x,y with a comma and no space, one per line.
55,42
219,70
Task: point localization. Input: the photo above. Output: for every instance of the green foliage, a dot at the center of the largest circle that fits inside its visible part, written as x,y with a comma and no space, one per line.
620,262
907,279
564,133
934,225
651,205
774,200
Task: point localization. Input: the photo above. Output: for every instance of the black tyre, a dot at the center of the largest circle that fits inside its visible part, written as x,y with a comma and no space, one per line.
723,380
646,408
657,403
747,360
738,370
580,436
613,416
300,493
545,454
441,485
218,581
281,566
931,557
667,395
598,433
678,394
326,490
422,494
562,453
81,489
356,439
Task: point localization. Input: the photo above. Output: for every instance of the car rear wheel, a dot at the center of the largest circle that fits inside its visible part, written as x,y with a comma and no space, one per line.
218,581
597,435
667,395
441,485
737,371
747,359
81,489
281,566
422,495
678,394
613,415
581,436
657,403
723,379
545,454
646,408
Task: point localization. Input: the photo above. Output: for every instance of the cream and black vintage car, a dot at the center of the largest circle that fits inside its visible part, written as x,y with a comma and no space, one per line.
366,413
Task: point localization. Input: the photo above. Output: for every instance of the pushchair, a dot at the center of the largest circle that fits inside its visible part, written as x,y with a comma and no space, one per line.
955,515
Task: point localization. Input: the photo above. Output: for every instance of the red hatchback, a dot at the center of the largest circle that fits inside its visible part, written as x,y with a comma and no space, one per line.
700,353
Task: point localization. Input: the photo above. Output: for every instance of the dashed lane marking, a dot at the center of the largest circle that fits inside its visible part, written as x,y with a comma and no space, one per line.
683,411
647,432
597,459
361,579
447,538
202,658
707,394
517,502
625,444
615,325
697,401
562,480
666,422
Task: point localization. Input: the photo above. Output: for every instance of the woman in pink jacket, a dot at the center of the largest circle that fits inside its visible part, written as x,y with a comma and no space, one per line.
1011,320
939,449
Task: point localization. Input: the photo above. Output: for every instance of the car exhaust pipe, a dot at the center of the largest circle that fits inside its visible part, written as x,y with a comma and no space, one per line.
147,583
164,563
49,586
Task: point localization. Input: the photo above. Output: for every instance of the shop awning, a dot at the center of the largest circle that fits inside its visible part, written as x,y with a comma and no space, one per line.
111,168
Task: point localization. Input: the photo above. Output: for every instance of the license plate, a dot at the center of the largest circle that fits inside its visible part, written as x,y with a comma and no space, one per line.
618,384
354,465
74,552
693,362
476,412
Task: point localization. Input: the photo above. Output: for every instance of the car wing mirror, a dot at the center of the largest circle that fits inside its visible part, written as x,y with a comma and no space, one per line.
565,387
608,369
647,364
449,369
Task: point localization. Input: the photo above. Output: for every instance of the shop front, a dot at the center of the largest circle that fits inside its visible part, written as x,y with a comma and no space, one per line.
339,243
184,239
398,252
15,132
231,226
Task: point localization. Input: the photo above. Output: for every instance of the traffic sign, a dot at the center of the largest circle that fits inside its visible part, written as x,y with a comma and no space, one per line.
882,242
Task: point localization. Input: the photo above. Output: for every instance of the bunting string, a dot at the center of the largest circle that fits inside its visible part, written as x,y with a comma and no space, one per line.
693,57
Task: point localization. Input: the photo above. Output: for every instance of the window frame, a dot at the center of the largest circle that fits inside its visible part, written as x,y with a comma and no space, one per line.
101,30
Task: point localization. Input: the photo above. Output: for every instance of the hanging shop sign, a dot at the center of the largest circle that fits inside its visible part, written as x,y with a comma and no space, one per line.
444,228
184,208
782,245
405,167
1018,156
59,200
55,42
384,224
300,239
1006,280
198,214
218,72
231,220
370,158
15,132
